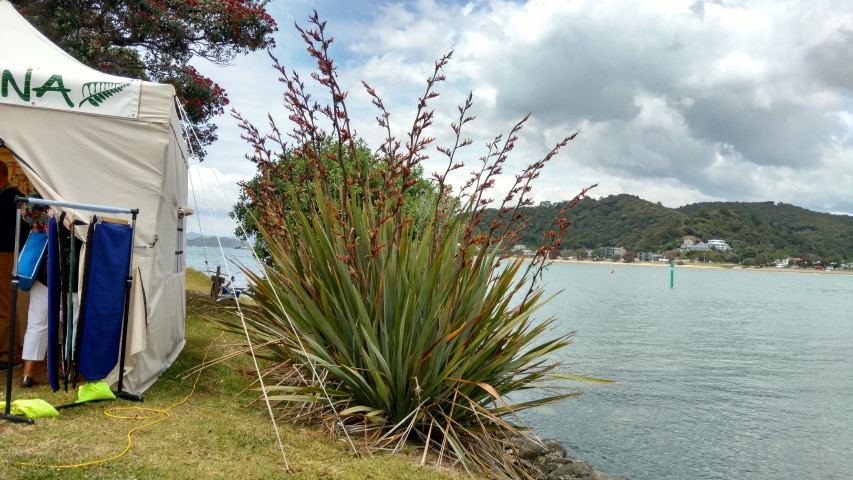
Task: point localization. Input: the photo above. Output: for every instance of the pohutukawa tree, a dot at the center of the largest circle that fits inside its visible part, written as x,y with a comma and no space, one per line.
289,167
396,332
156,40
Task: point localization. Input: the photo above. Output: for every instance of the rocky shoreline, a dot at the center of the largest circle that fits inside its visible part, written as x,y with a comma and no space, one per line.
548,461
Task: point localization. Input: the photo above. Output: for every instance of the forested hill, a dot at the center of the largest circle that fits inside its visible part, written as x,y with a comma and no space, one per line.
211,241
775,229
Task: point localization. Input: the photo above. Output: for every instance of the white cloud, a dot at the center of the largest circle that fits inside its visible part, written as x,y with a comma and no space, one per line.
677,101
212,195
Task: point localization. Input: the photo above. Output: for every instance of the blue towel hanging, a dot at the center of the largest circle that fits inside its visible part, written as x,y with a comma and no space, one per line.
53,301
100,324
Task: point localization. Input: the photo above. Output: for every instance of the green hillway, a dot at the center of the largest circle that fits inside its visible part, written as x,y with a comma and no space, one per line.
771,229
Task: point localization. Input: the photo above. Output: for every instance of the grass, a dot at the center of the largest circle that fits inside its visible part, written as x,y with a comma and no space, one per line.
214,435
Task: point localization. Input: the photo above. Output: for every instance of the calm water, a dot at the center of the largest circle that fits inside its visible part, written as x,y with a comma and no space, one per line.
730,375
206,260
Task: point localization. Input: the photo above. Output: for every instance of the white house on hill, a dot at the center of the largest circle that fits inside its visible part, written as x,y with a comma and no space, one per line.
719,244
690,243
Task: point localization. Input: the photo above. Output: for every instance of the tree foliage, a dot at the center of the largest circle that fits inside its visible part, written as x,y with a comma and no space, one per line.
156,40
777,230
262,199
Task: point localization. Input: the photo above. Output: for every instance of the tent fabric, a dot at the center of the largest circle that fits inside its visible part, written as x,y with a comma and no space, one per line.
138,307
77,155
63,83
102,313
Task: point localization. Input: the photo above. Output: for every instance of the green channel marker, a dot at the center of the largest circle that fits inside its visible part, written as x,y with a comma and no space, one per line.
671,274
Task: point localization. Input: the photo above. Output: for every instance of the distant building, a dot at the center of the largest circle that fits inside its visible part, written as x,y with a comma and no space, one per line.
701,246
648,256
520,250
719,245
693,244
691,240
609,252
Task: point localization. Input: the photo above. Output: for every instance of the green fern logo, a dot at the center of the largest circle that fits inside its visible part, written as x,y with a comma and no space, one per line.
97,92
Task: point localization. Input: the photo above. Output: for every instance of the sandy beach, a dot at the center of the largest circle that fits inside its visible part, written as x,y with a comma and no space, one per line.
709,265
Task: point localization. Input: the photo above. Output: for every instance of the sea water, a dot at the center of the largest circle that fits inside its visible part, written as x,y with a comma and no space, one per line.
731,374
229,260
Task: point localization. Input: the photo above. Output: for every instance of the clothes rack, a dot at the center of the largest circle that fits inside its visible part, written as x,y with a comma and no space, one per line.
19,202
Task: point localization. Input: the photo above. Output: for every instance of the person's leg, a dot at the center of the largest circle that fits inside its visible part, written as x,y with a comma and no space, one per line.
35,340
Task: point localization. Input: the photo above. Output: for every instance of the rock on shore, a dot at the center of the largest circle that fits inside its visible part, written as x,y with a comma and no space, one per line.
548,461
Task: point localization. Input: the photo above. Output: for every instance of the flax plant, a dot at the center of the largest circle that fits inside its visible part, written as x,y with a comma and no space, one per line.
397,332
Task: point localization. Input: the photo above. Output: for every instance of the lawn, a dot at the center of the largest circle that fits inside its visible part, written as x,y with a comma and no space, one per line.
215,434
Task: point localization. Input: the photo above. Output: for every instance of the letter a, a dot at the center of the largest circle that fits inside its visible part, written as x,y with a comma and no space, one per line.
60,87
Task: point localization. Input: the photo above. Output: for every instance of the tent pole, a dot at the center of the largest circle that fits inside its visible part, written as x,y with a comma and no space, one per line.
120,393
10,355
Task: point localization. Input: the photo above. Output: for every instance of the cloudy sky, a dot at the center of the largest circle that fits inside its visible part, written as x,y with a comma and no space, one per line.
675,101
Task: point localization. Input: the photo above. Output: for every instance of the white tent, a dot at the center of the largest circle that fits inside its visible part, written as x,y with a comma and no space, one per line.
87,137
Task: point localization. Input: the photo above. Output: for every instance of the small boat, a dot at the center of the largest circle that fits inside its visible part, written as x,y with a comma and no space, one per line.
229,292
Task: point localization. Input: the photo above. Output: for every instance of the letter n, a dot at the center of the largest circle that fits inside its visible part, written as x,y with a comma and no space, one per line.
8,78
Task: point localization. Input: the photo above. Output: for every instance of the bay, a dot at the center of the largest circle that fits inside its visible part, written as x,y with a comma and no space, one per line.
730,374
230,261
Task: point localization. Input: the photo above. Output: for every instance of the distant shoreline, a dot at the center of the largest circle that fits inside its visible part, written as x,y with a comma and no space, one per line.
705,265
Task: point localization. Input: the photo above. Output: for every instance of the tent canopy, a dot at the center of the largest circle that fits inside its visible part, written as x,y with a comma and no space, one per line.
83,136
